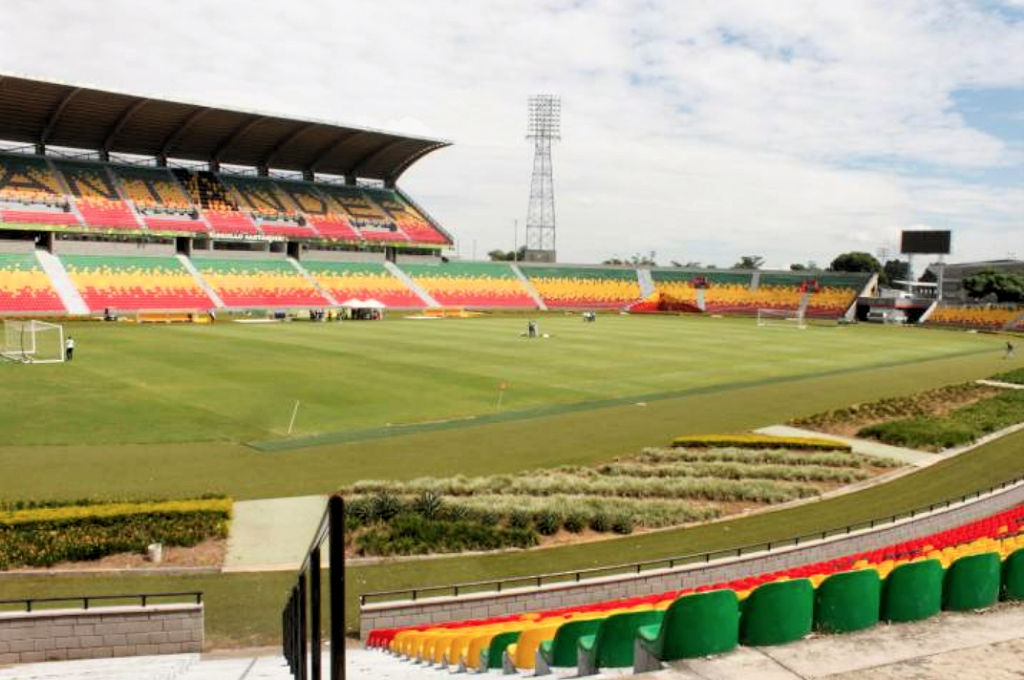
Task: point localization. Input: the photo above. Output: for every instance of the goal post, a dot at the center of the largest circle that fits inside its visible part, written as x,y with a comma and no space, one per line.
33,342
793,318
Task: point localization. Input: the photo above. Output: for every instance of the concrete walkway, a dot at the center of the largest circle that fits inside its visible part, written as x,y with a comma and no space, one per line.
272,534
862,446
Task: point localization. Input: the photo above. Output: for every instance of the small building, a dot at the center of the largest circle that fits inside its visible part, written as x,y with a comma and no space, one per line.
954,274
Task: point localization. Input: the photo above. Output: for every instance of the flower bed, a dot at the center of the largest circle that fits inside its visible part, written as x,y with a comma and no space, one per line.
45,534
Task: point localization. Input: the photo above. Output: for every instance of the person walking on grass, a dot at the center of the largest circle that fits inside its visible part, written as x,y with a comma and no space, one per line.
69,348
1009,350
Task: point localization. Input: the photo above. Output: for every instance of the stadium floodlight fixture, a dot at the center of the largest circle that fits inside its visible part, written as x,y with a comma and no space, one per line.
545,119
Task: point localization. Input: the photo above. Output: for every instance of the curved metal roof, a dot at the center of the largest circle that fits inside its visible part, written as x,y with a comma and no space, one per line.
41,112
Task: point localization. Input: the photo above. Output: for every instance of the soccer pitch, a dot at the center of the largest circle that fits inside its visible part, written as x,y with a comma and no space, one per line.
170,410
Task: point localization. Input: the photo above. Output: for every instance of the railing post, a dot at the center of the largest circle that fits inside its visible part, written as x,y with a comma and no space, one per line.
336,555
314,613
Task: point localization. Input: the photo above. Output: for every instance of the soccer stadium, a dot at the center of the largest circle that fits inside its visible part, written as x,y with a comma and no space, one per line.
263,419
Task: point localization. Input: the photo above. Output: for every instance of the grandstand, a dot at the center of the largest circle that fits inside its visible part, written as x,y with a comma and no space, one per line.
582,288
471,284
362,281
259,283
24,286
134,283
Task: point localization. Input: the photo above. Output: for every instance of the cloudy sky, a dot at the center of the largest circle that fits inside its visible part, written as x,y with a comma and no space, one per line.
699,130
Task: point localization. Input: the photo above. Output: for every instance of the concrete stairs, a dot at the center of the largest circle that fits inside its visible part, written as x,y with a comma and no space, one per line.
309,277
412,285
66,290
643,277
530,290
201,281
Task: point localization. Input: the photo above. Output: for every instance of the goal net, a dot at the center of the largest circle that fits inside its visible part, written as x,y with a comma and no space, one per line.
33,342
792,318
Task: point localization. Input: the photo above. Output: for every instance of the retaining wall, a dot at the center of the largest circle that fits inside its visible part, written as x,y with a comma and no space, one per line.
66,634
488,604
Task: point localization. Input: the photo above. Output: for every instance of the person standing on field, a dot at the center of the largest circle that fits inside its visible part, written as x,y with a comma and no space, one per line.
1009,350
69,348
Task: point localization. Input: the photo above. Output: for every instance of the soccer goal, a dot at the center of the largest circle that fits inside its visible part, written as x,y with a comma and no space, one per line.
792,318
33,342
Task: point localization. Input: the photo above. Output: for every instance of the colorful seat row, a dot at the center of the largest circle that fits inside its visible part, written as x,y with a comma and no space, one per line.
112,198
981,317
965,568
471,284
581,288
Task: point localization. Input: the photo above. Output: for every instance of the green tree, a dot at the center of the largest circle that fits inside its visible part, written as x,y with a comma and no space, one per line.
1005,286
749,262
895,270
856,261
499,255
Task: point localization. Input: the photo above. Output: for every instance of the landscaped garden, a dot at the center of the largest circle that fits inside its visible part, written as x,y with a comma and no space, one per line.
697,479
931,420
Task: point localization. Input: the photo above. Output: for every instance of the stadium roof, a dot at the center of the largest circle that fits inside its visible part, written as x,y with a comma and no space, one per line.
48,113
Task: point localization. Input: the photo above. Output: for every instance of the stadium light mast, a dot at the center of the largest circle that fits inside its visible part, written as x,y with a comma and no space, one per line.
544,127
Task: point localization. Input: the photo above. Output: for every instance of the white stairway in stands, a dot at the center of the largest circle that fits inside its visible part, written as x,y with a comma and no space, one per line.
529,287
415,287
312,281
187,263
66,290
643,277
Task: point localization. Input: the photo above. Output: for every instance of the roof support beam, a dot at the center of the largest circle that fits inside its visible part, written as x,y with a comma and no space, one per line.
173,138
369,158
119,125
331,148
239,132
283,143
412,158
58,111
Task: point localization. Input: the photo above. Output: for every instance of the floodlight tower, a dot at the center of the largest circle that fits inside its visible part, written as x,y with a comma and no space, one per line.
544,127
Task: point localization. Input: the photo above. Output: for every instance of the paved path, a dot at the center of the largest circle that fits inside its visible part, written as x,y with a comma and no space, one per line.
862,446
272,534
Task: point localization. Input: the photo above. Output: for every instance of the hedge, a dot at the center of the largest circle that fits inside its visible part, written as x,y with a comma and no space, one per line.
759,441
43,536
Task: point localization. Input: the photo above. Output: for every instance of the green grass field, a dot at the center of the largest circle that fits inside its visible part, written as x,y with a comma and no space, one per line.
171,411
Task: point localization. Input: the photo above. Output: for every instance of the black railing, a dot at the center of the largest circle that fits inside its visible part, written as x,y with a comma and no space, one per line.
145,599
301,619
538,580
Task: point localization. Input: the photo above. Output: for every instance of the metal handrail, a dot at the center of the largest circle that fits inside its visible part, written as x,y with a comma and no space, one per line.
86,599
638,567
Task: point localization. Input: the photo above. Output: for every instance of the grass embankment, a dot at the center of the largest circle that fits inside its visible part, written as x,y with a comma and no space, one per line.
244,609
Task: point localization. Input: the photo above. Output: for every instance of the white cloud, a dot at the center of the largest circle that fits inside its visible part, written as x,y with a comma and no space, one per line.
701,130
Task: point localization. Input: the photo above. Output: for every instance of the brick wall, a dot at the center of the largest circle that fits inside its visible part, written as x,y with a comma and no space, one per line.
510,601
64,634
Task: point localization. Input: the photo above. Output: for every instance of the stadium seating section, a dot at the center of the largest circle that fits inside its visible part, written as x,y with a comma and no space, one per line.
109,197
25,287
362,281
958,569
134,283
471,284
731,292
982,317
578,288
259,283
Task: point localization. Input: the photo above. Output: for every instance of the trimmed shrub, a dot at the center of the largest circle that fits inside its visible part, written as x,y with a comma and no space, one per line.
622,524
575,522
548,522
600,522
759,441
519,519
385,506
428,504
413,535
